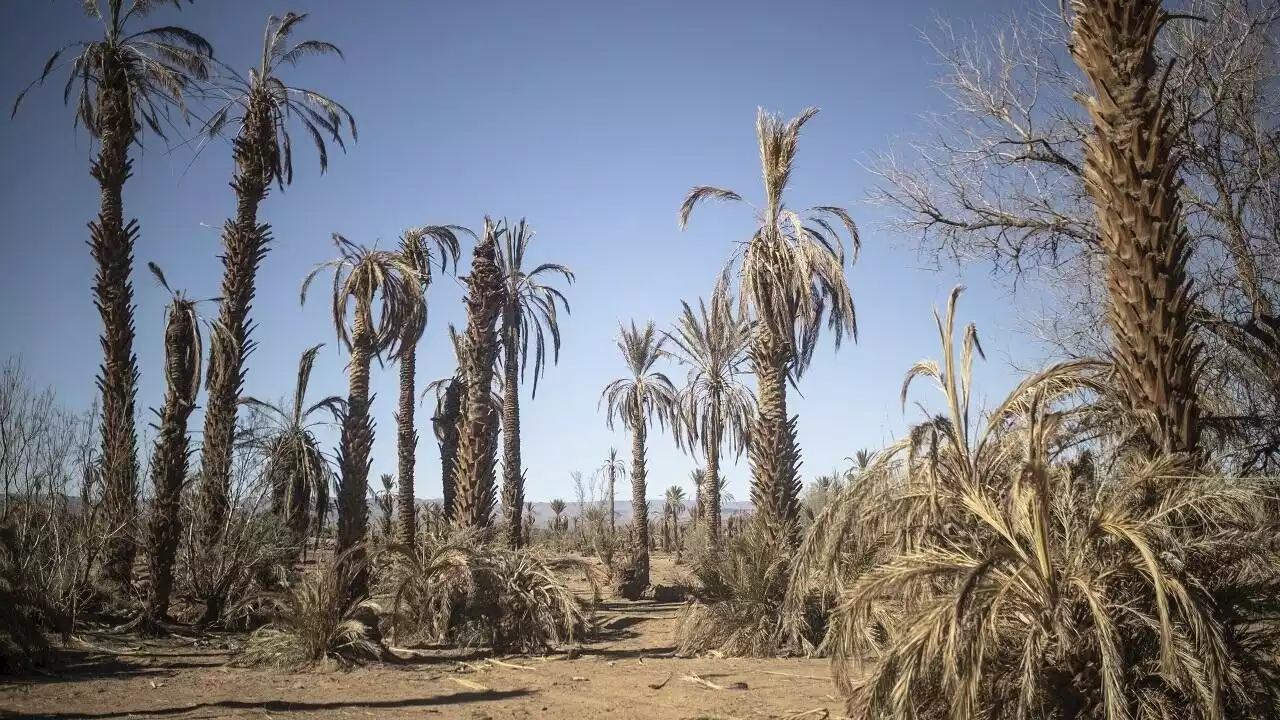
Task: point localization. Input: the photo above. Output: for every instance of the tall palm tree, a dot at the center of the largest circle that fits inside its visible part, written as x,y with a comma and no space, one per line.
528,312
420,247
715,404
260,106
791,275
1131,172
673,506
297,469
446,420
124,80
697,476
184,355
636,400
474,477
613,468
364,276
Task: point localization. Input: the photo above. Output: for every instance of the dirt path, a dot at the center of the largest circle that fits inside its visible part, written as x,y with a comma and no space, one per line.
627,673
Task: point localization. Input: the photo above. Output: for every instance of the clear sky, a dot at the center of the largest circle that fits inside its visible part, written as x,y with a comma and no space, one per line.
592,119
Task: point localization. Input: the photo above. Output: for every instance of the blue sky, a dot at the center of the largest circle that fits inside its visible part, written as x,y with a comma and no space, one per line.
592,119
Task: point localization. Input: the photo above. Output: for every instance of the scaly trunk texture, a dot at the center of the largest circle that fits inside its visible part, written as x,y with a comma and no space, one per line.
710,489
406,448
1131,172
244,246
474,477
639,510
111,244
447,426
512,480
772,452
353,454
170,460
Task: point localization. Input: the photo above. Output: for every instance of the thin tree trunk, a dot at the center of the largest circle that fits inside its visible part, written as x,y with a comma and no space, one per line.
111,243
1132,174
447,428
772,452
245,244
407,447
170,460
639,509
512,480
353,454
613,508
477,443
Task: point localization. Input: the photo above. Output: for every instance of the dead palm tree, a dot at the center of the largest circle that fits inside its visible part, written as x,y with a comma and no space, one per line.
613,468
528,312
474,476
298,471
791,275
420,248
261,107
124,80
715,404
1131,172
636,400
184,355
364,276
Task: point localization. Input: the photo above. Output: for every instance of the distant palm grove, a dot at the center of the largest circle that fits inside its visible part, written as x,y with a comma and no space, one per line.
1104,542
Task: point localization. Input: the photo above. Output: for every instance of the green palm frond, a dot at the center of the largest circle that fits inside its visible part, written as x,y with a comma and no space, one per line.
529,303
644,393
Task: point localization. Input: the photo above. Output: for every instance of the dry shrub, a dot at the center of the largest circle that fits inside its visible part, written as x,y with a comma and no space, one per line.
740,591
316,622
463,588
27,615
996,569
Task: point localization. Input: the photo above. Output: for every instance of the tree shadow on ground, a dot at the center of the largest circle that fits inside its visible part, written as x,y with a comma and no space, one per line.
270,706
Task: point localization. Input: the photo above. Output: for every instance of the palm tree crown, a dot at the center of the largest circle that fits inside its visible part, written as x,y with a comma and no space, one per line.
529,304
644,394
262,92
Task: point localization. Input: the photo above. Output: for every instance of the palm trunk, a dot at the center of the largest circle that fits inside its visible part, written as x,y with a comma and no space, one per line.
1132,174
353,453
407,446
111,244
613,508
170,460
512,481
710,489
244,246
772,452
447,432
477,444
639,509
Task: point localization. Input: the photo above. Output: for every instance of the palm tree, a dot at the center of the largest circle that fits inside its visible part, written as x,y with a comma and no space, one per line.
528,311
673,505
446,421
696,476
184,354
636,400
1131,172
364,275
125,80
386,502
613,468
297,469
261,106
715,405
791,276
419,247
478,440
557,507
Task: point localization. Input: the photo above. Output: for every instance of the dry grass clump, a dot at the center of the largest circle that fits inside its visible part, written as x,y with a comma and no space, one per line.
462,588
999,570
739,600
315,622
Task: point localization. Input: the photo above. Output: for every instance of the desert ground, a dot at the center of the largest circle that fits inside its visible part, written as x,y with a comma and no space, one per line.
628,671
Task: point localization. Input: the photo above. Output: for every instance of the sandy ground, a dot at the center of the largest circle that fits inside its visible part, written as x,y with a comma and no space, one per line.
628,672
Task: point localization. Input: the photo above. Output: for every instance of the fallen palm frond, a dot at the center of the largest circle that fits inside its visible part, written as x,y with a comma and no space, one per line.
316,621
